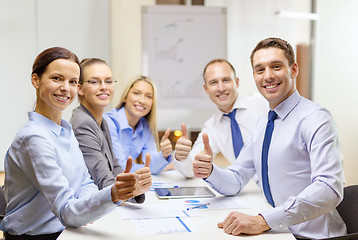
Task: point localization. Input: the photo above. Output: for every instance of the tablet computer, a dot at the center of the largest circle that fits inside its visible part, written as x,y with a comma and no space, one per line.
183,192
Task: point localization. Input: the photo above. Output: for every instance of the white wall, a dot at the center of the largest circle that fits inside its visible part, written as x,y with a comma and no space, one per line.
250,21
28,27
17,51
335,83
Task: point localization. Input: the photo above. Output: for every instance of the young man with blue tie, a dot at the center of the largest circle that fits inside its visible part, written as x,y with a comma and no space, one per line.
294,151
230,127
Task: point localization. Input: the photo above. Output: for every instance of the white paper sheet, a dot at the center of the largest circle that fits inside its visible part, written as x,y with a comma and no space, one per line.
131,211
164,226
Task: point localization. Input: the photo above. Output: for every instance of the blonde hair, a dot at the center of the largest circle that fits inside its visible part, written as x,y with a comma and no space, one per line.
151,117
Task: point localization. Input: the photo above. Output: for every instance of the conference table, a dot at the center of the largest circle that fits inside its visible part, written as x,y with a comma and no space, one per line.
111,226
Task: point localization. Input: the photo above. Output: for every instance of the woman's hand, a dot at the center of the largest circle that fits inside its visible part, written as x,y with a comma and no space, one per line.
165,144
144,177
125,185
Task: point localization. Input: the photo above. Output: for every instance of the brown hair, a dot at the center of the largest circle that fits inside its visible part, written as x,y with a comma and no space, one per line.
218,60
276,43
49,55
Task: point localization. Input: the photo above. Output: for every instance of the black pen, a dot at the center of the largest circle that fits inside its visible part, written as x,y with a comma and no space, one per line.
198,206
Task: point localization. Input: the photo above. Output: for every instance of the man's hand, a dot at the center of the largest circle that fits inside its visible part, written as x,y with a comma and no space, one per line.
203,162
165,144
144,177
125,184
183,145
238,223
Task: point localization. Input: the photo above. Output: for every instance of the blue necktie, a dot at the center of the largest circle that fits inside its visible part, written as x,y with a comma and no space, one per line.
265,148
235,133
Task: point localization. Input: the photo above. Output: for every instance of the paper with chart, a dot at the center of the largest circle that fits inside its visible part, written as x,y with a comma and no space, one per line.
165,210
214,203
164,225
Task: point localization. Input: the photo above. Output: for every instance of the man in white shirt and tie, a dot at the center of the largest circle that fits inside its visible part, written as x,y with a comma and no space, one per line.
295,153
234,114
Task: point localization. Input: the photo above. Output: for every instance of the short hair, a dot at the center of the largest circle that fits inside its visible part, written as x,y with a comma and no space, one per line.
48,56
218,60
151,117
276,43
88,62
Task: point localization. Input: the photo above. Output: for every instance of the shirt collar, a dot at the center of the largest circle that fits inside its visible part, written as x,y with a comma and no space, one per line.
54,127
239,104
123,121
284,108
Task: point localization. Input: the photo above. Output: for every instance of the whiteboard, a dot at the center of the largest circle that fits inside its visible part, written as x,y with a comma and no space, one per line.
177,43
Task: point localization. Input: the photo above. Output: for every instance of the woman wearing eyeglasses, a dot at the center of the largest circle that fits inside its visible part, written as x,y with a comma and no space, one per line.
47,185
95,92
133,126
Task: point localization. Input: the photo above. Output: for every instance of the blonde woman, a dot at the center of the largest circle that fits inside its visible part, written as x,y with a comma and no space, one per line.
133,126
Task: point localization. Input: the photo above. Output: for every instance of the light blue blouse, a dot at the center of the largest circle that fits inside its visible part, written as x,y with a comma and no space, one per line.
47,184
127,142
304,169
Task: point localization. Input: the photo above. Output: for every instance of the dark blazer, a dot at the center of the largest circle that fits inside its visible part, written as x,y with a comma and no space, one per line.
96,146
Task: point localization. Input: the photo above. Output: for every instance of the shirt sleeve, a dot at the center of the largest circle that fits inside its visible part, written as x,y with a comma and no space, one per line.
326,189
231,180
158,162
113,127
96,160
73,208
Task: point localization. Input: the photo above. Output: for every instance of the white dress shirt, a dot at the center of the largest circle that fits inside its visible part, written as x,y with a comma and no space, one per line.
218,128
304,169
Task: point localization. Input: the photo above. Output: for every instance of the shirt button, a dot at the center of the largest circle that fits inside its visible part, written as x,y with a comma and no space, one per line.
280,225
304,218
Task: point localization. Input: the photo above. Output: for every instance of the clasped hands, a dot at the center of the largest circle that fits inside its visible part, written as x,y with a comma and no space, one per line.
128,185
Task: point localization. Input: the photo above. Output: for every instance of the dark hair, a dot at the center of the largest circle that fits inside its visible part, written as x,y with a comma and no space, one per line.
49,55
88,62
218,60
276,43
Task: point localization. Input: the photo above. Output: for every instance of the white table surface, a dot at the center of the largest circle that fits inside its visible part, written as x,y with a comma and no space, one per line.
112,226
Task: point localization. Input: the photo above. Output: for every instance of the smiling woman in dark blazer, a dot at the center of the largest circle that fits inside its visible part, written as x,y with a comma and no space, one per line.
95,92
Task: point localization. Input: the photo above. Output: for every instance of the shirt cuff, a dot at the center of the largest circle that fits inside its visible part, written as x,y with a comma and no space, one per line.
107,194
215,176
275,217
169,158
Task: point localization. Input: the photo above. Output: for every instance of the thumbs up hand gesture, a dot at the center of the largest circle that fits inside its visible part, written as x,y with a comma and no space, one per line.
183,145
125,184
165,144
144,177
202,164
